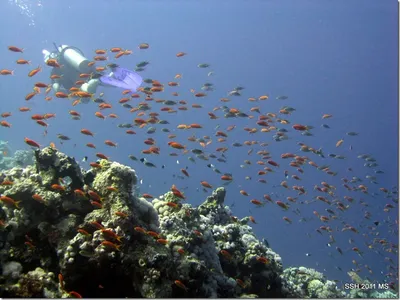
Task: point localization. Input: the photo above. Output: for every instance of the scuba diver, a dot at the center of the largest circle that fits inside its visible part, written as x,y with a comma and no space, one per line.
71,63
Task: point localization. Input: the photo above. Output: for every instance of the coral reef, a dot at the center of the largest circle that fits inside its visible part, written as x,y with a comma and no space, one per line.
67,232
21,158
308,283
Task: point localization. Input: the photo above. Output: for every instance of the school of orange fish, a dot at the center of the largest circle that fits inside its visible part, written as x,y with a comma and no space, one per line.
291,165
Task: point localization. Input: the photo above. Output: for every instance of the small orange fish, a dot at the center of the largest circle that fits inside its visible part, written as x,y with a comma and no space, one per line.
75,294
121,214
86,132
172,204
95,165
53,63
262,259
74,113
147,196
241,283
97,225
58,187
31,143
61,95
185,172
176,145
287,220
102,156
206,184
162,241
198,233
153,234
42,123
111,245
34,71
257,202
140,229
10,201
15,49
281,204
116,49
100,51
200,94
104,106
38,198
326,116
84,75
339,143
251,218
30,245
112,189
226,254
91,145
176,192
94,196
144,46
79,193
6,72
23,62
100,58
119,54
96,204
99,115
226,177
83,231
61,280
7,182
111,234
30,96
243,192
49,116
110,143
179,283
5,124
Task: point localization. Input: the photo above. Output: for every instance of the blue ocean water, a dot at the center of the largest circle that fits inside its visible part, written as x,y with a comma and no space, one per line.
337,58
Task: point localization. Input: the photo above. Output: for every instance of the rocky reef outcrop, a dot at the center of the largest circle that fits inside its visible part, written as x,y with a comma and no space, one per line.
69,232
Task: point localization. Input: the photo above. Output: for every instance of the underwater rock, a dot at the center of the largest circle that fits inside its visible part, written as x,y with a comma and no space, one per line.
21,158
12,269
53,164
104,239
34,284
308,283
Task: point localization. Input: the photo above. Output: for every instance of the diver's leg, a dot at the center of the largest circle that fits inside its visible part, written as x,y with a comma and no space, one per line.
57,87
90,86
